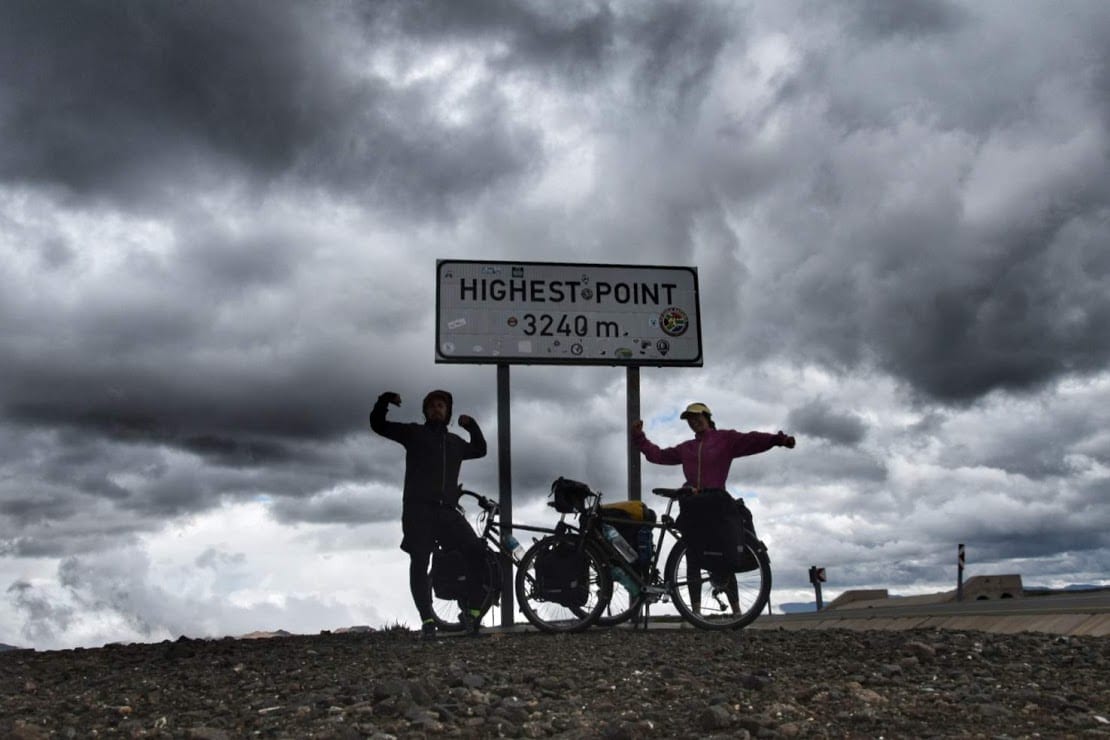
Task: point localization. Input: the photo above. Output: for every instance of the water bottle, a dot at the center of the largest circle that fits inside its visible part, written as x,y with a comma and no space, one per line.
620,575
625,549
513,546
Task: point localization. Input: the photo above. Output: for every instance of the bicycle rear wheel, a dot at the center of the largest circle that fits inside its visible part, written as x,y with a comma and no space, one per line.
719,601
552,616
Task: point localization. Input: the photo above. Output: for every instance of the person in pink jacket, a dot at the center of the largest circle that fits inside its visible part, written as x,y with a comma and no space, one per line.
706,458
705,462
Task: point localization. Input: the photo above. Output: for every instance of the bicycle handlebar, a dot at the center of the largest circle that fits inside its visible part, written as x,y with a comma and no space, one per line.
486,504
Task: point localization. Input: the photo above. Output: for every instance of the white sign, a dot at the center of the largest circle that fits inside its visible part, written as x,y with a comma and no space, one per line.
565,313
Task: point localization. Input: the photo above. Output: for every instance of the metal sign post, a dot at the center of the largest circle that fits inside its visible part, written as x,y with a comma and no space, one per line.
556,313
817,577
632,399
960,572
505,486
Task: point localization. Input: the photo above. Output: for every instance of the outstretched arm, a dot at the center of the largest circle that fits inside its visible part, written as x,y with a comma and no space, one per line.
743,444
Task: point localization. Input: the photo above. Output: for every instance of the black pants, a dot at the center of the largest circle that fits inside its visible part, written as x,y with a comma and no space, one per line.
427,527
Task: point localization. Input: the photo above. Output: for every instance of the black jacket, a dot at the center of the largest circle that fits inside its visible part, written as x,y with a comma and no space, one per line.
433,455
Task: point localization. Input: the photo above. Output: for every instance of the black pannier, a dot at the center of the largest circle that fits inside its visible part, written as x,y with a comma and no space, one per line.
493,575
569,496
562,575
717,529
449,574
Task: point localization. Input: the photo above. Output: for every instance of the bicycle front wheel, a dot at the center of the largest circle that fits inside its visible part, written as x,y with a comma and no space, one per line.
549,615
718,601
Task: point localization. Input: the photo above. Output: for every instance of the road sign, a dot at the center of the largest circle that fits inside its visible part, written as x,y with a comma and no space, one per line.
566,313
960,556
816,575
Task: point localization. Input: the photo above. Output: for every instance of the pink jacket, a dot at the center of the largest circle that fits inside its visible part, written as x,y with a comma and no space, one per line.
706,458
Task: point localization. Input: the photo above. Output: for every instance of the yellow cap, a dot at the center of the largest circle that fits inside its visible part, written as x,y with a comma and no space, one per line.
694,409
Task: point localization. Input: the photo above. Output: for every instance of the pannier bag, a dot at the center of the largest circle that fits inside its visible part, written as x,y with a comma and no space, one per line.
747,557
569,496
627,516
562,576
716,529
449,574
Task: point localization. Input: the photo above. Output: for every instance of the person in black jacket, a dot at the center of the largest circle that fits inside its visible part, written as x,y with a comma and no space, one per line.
430,513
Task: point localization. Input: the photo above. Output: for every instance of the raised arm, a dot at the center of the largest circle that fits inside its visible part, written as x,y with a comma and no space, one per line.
653,454
388,429
477,446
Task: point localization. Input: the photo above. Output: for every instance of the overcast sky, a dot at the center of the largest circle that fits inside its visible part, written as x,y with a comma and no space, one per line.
218,230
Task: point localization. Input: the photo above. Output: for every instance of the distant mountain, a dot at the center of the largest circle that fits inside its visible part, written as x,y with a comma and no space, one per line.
798,607
1072,587
4,647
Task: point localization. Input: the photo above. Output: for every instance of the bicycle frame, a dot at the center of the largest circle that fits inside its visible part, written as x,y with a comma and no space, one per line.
650,580
494,531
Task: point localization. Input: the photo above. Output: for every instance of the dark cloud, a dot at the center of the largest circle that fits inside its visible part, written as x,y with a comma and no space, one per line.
680,45
819,419
219,230
908,19
106,99
565,39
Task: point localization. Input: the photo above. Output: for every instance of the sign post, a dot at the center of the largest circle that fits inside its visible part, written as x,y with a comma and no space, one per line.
960,572
556,313
817,577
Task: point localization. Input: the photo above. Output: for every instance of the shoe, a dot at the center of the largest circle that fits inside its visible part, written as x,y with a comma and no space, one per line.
472,624
428,631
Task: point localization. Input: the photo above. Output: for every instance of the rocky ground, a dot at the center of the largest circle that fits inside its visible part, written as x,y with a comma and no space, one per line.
611,684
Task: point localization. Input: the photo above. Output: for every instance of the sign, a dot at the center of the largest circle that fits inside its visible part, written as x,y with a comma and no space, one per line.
960,559
566,313
816,575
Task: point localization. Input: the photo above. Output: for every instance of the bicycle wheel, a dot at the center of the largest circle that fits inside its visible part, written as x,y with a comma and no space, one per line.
552,616
718,601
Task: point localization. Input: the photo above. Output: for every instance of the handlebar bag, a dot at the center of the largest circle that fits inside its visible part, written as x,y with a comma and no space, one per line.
569,496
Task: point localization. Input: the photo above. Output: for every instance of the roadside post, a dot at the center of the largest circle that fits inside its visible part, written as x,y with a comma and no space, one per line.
960,572
559,313
817,577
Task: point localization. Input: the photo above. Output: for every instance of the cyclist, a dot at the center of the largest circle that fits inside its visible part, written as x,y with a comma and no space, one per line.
705,462
430,514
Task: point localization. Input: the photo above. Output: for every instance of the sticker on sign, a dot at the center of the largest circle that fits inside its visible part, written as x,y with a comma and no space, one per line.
566,313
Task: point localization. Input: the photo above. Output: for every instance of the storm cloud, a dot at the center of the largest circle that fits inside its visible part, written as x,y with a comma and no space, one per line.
218,229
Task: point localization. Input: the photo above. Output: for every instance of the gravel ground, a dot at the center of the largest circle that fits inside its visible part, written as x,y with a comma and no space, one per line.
611,684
